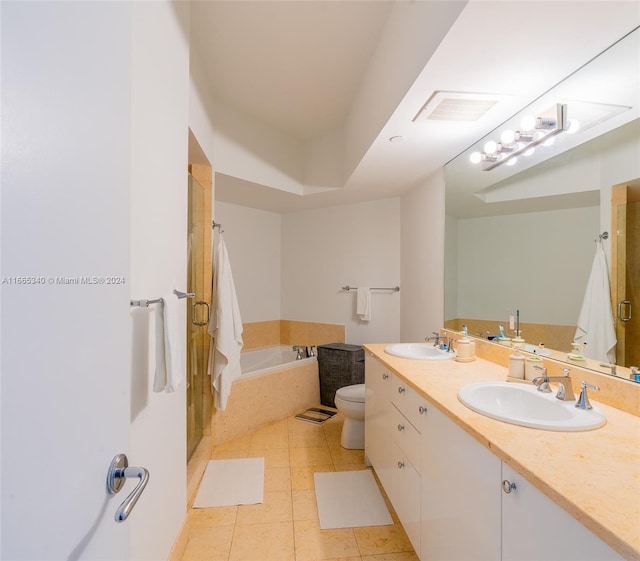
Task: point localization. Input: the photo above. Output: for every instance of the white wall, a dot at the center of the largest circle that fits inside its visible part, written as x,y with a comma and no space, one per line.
253,238
538,263
423,227
158,264
325,249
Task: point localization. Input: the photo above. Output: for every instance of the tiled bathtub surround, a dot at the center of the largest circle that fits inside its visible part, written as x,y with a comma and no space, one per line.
286,332
259,400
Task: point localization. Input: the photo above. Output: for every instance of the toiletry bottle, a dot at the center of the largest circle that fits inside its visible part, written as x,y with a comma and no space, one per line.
465,349
635,374
516,366
530,367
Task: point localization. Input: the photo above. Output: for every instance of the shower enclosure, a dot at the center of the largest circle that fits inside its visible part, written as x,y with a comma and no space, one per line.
625,250
198,282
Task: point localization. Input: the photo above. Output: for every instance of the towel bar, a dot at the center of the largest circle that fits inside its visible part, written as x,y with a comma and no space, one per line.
394,288
147,303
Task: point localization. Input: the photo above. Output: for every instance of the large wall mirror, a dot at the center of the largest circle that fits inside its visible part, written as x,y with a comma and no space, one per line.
523,237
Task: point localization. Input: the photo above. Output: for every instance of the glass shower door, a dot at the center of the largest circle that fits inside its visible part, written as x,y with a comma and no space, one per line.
197,316
628,284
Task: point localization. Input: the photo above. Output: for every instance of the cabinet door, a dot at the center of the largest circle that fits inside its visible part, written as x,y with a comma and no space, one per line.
460,507
535,528
377,415
408,402
404,494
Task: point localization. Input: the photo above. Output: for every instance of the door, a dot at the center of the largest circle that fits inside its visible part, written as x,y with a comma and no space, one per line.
199,283
66,187
625,276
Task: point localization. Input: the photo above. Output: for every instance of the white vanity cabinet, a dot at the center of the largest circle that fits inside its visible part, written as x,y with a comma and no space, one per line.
392,442
460,494
377,419
450,492
534,527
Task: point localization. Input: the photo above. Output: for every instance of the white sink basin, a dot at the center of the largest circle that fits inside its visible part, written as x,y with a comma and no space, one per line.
419,351
524,405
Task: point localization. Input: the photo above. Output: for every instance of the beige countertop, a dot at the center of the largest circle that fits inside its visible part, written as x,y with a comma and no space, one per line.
593,475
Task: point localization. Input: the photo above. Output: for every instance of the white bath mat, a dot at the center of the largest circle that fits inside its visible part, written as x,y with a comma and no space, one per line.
349,499
231,482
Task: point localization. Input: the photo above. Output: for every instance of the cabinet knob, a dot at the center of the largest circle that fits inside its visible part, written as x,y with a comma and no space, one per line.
385,376
400,428
400,389
422,409
400,464
507,486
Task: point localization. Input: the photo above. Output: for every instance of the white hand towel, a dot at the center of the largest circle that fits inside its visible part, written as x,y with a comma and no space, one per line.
363,304
595,323
169,352
225,326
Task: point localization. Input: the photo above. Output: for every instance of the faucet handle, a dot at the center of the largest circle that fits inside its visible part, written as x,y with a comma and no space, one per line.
583,400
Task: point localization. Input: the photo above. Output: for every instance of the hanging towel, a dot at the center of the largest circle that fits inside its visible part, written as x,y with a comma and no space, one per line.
169,364
225,327
595,323
363,304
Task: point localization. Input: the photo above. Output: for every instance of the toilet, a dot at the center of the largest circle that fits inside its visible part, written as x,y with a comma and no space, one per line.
349,401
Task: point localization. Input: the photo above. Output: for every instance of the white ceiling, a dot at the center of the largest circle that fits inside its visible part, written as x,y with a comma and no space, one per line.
300,69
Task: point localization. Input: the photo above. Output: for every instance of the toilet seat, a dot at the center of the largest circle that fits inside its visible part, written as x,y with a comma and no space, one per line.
354,393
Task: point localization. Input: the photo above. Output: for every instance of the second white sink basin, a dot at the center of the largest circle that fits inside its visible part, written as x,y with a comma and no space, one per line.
419,351
524,405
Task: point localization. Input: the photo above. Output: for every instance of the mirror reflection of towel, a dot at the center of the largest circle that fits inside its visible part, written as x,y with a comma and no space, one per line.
595,324
363,305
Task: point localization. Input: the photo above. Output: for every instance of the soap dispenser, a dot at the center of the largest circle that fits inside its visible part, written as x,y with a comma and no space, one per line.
466,347
516,366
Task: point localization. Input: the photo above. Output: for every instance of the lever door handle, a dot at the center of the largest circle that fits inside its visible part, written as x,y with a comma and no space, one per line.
119,470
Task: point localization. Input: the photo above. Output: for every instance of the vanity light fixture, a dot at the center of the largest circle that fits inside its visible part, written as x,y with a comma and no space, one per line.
534,131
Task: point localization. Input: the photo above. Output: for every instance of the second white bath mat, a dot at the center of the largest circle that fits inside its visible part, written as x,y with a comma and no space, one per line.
349,499
231,482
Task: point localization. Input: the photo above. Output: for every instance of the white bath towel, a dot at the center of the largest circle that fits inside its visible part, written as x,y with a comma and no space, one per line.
169,345
225,326
595,323
363,304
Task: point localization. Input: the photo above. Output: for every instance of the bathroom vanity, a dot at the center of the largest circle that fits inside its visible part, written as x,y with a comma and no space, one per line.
466,486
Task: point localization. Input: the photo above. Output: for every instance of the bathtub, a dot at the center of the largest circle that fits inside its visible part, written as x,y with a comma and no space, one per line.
270,359
273,386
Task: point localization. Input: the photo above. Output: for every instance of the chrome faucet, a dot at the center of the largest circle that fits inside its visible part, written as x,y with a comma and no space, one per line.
565,386
583,400
435,337
611,366
298,350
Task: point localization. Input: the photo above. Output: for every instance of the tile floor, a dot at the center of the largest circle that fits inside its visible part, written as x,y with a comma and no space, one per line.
286,526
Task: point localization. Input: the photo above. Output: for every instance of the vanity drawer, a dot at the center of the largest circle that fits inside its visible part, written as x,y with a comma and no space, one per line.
408,402
406,436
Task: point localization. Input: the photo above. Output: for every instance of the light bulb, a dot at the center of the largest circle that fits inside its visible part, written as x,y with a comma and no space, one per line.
574,126
528,123
508,137
475,157
490,147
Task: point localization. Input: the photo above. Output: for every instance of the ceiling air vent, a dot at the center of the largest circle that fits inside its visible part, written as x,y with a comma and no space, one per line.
457,106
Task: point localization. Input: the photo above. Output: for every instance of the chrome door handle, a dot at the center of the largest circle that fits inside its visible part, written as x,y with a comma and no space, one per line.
626,303
119,470
193,313
507,486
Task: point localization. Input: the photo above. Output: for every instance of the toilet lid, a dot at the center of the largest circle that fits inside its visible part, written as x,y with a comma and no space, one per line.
352,393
